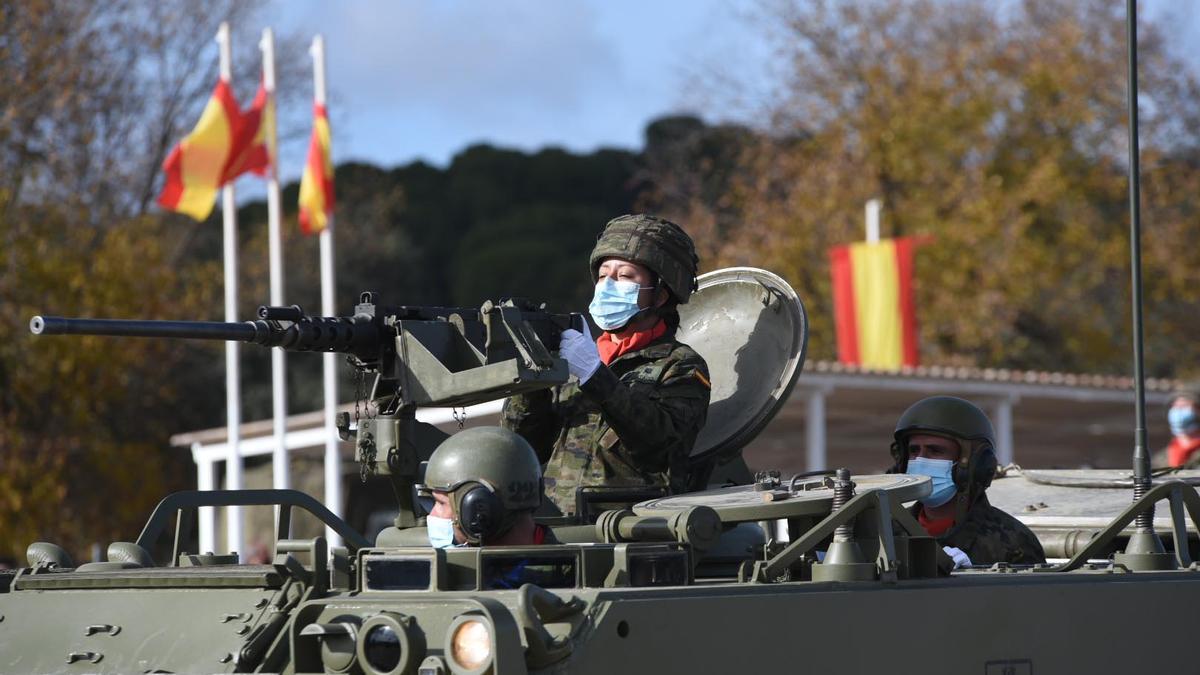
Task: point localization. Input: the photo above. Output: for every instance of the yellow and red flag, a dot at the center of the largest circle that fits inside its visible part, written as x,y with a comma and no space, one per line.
219,149
316,185
873,303
254,137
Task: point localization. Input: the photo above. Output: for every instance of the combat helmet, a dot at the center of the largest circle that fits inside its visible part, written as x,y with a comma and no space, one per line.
961,421
491,475
658,244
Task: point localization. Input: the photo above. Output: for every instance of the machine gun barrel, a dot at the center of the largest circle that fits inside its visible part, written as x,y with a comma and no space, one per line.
203,330
347,335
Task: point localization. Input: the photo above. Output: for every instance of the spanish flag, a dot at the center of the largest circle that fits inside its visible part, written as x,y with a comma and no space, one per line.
218,150
873,303
254,138
316,185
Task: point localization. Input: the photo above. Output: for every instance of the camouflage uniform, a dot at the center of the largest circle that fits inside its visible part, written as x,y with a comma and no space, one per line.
989,535
633,423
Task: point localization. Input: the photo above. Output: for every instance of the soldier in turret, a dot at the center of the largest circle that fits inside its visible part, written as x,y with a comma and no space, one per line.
638,397
952,441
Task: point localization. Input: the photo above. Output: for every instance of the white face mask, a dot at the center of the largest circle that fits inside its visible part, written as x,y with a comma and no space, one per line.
942,473
441,531
614,303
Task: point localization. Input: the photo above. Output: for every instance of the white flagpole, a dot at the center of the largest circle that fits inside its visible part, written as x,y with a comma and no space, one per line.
333,459
233,398
873,208
279,459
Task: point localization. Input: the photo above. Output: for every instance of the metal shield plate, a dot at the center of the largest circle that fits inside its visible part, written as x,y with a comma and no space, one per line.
750,326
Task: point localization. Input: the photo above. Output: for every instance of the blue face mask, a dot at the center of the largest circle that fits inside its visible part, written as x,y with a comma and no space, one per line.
614,303
1183,420
941,471
441,531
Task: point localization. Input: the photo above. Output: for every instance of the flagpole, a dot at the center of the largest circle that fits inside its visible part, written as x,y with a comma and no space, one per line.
279,459
333,459
233,398
873,208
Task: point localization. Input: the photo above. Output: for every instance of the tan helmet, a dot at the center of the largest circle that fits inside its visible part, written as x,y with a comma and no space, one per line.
491,475
954,418
658,244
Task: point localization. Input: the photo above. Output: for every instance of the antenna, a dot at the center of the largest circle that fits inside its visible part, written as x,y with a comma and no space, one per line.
1145,549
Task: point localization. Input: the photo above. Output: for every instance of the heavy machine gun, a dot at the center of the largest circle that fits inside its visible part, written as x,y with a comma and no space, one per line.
418,356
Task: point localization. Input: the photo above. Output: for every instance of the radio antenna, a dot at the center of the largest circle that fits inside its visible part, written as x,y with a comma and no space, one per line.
1145,549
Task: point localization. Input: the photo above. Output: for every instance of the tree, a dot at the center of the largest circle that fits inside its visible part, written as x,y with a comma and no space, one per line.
94,96
996,132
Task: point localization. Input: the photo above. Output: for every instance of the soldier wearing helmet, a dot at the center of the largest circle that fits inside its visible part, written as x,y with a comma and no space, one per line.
481,487
952,441
630,415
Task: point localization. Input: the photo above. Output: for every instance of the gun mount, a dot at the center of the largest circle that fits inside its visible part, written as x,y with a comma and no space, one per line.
419,356
422,356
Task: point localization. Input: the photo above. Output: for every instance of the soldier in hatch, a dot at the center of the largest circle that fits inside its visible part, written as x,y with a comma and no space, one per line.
952,441
481,487
639,397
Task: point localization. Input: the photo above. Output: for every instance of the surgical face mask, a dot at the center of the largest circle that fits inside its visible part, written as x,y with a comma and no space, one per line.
615,302
441,531
1183,420
941,471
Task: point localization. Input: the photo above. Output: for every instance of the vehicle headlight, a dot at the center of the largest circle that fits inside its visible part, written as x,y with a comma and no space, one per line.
381,647
470,643
388,643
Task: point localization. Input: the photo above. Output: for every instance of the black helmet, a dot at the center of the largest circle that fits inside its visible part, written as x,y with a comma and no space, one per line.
658,244
957,419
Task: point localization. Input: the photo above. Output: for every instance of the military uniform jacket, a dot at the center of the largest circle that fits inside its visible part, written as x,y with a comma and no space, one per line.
633,423
989,535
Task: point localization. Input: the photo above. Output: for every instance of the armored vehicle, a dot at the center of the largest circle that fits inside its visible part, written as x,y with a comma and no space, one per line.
793,572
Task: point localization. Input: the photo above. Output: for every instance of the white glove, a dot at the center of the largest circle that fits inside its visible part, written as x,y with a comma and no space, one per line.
579,349
960,558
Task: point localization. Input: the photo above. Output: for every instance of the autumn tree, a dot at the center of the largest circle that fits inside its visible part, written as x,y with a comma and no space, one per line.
998,133
94,96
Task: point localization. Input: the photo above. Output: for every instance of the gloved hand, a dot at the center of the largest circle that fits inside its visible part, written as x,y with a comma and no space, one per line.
579,349
960,558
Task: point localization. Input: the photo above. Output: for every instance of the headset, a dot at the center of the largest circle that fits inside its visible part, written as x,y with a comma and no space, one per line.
480,513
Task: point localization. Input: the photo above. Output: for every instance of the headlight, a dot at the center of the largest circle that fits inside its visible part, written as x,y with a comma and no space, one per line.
381,648
389,643
470,645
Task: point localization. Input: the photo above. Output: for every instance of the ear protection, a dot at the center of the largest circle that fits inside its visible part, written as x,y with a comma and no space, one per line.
980,468
479,511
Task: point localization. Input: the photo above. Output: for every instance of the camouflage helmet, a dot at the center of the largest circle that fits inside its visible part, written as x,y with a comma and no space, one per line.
495,457
658,244
957,419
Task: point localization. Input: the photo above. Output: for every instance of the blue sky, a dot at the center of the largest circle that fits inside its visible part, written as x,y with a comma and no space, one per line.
425,78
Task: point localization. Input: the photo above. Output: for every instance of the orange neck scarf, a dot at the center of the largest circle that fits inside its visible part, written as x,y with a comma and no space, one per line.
935,527
610,346
1181,450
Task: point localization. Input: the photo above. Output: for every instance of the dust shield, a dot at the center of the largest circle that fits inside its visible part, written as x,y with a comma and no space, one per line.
750,326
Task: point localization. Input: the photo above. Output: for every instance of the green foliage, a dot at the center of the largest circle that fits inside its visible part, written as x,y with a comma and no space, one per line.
84,419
